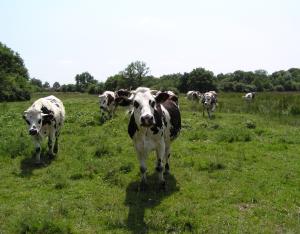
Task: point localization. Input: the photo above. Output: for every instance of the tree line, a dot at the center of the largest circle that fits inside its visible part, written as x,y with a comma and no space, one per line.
15,83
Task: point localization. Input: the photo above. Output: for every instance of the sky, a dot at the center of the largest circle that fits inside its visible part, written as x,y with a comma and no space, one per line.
61,38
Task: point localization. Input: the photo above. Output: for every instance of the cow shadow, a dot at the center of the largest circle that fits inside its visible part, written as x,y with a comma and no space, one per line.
28,165
138,201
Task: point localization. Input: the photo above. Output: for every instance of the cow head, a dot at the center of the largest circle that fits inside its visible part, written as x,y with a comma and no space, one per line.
208,99
145,105
105,100
35,119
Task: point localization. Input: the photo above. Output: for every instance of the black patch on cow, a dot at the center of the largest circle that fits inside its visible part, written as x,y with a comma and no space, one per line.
49,117
175,117
132,127
136,104
167,167
123,93
158,119
38,149
123,101
174,99
57,104
110,99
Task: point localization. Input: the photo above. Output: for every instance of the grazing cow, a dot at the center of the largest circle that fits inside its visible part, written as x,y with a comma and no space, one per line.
194,95
107,103
209,102
154,122
45,118
249,96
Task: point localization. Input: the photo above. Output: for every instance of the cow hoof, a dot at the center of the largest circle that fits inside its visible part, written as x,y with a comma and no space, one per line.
162,186
143,186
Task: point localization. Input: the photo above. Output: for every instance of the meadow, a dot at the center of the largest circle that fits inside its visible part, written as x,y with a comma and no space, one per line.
236,173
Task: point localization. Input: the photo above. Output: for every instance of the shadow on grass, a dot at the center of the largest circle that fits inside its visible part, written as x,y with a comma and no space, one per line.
28,165
138,201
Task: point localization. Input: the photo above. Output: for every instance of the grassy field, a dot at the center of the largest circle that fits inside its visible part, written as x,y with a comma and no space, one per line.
236,173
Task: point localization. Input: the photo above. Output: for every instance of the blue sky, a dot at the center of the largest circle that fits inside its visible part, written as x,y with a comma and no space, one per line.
58,39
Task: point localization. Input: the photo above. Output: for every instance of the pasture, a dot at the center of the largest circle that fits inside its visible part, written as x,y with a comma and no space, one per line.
236,173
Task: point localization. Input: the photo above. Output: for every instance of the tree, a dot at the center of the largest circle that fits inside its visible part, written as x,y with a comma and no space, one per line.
14,76
36,82
83,80
135,72
46,85
56,86
201,80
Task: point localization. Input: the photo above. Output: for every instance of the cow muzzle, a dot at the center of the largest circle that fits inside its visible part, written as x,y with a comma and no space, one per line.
147,120
33,132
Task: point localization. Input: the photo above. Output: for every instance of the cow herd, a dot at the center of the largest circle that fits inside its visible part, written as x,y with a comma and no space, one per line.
155,121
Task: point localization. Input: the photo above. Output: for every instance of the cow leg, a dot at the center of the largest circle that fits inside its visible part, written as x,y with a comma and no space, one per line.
51,142
208,112
160,153
38,149
167,159
55,149
142,157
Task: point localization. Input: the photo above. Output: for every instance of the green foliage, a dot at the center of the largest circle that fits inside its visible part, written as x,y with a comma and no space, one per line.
83,81
14,76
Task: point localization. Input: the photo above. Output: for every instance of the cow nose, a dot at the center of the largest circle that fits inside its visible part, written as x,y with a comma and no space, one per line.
147,120
32,132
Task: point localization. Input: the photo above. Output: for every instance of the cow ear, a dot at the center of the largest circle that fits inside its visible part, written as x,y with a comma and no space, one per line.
162,97
174,99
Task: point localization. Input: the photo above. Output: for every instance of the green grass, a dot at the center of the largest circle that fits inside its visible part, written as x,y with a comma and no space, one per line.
236,173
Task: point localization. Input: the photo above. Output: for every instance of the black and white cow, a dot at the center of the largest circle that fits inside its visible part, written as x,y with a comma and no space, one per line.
249,96
209,102
194,96
107,103
45,118
154,122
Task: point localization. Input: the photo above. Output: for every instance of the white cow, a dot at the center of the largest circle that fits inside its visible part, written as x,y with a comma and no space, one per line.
45,118
155,121
107,103
249,96
209,102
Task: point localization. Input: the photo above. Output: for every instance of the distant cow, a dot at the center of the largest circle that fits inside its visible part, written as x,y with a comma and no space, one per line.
107,103
45,118
154,122
194,95
249,96
209,102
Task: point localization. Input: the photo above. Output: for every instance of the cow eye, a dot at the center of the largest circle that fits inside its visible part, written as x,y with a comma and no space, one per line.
152,103
136,104
39,121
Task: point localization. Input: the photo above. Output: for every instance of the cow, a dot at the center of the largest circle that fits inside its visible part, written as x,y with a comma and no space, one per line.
249,96
45,118
154,122
209,102
194,95
107,103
